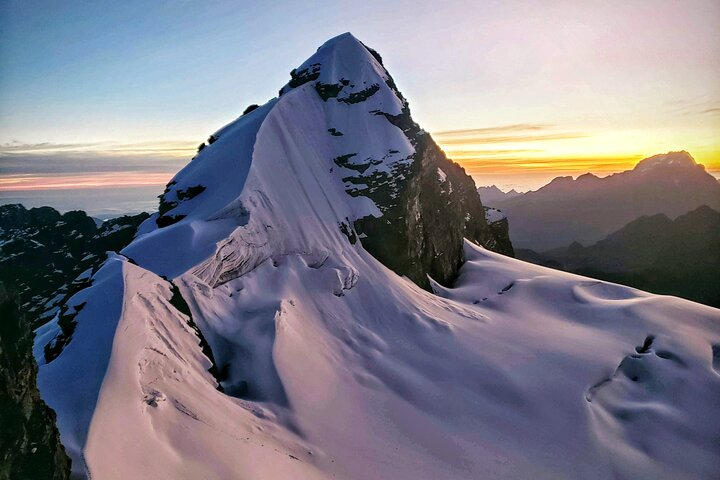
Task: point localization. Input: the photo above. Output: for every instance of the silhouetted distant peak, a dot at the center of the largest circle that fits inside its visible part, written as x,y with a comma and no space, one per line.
701,213
561,180
490,188
587,176
702,210
558,183
589,208
648,221
680,159
491,194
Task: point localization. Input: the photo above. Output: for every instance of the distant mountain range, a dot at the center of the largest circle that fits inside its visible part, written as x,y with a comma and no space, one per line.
678,257
588,208
492,194
42,251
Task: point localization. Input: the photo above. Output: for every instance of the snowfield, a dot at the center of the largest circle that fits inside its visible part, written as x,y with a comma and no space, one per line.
326,364
494,215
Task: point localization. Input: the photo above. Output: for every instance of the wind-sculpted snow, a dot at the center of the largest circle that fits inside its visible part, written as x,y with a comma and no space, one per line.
335,367
71,382
328,364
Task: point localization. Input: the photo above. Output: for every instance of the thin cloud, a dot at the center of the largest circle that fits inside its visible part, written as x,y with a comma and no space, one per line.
86,162
700,110
514,128
713,110
471,139
67,165
13,183
167,147
519,165
482,140
701,106
491,153
20,147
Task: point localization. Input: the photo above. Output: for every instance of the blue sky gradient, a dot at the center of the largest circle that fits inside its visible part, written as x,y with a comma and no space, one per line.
598,85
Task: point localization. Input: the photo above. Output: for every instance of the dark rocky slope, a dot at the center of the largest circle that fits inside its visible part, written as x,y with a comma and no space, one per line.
42,251
29,441
677,257
422,233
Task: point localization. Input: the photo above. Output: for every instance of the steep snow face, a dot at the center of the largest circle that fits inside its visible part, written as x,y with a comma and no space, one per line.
287,176
277,346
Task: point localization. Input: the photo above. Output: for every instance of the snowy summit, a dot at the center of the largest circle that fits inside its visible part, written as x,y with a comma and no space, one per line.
667,160
304,305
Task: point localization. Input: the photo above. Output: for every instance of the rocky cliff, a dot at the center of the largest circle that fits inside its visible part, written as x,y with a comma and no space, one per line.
29,441
437,206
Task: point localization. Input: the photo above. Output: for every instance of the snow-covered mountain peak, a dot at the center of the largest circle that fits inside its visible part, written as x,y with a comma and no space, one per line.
345,69
681,159
336,148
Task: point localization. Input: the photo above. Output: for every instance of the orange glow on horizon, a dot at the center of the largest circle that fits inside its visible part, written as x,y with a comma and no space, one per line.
521,156
528,156
64,182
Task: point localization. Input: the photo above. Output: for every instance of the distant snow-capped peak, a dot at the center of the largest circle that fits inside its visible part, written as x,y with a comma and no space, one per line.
671,159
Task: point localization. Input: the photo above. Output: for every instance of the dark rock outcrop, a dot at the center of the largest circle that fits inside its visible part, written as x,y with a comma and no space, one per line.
422,233
500,237
30,445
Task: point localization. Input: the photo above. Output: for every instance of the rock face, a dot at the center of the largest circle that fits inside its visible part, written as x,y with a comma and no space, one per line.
499,228
42,251
673,257
589,208
437,206
29,441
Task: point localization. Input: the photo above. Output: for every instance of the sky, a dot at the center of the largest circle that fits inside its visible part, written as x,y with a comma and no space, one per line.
104,94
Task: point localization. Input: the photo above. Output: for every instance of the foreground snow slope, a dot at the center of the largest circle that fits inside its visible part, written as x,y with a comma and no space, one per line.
330,365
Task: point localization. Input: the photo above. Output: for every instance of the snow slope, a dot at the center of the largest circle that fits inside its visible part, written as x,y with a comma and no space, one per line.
332,366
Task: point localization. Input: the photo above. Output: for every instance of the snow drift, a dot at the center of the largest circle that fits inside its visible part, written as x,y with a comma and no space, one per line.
248,333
